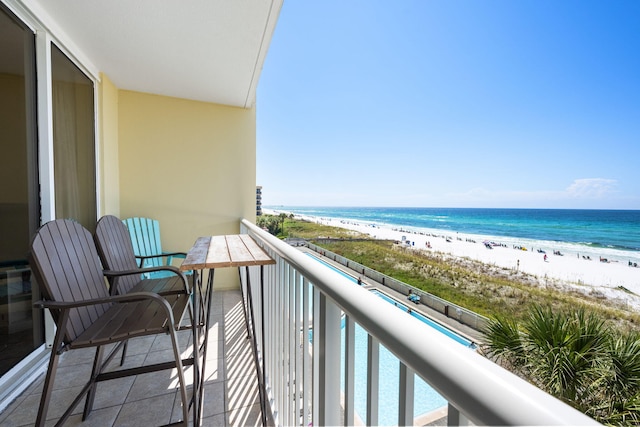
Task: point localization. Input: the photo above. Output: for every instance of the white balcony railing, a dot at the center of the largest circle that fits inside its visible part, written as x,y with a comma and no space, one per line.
305,383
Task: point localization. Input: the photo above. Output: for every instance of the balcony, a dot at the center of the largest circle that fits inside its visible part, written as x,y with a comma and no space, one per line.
305,318
231,390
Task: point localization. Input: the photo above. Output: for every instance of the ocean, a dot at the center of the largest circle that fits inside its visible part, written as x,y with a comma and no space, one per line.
611,233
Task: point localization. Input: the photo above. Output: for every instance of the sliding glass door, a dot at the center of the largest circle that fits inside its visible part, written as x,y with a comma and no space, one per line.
74,173
20,326
73,141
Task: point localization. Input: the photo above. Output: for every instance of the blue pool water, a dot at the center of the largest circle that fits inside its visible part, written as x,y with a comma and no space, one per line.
426,399
353,279
437,326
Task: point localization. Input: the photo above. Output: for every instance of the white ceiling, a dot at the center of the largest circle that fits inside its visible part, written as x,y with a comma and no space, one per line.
206,50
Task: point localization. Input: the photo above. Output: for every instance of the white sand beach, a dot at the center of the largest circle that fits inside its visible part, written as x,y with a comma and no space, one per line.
614,279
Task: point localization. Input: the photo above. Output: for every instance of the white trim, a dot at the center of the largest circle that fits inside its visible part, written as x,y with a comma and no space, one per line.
267,35
28,370
97,141
32,14
45,126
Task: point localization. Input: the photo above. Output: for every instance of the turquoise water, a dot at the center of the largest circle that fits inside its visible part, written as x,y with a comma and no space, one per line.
614,234
426,399
619,229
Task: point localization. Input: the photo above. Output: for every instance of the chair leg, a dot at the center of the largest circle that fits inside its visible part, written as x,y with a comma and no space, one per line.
91,393
48,388
124,352
181,379
51,370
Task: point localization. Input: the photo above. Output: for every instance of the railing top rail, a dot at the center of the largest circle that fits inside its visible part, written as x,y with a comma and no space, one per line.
483,391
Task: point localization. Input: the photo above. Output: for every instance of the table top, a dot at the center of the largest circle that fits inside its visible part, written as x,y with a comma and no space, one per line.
237,250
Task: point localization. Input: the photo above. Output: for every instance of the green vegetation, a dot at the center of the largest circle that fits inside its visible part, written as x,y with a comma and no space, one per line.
487,290
273,224
576,356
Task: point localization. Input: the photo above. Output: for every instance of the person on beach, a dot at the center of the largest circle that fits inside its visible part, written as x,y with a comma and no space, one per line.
545,257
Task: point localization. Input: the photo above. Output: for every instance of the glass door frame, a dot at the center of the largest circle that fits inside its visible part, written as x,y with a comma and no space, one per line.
25,372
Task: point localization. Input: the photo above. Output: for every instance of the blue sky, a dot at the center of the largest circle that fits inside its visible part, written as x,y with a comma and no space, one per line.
435,103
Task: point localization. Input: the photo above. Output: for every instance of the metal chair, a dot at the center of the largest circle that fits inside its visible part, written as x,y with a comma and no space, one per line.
67,268
116,251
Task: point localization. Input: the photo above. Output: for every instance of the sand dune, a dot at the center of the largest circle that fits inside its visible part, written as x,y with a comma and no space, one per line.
614,279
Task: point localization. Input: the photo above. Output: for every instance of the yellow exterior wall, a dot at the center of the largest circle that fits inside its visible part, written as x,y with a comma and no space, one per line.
191,165
108,159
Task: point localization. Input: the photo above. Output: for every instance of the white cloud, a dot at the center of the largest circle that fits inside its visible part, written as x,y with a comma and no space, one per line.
591,188
579,192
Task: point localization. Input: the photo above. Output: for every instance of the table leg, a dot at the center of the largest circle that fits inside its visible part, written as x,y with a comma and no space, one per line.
245,302
196,289
259,374
205,342
264,357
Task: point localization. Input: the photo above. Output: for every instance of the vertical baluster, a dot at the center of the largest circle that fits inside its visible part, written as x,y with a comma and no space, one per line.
272,325
278,340
455,418
297,351
290,348
282,397
285,347
373,373
349,367
316,359
307,385
329,352
406,396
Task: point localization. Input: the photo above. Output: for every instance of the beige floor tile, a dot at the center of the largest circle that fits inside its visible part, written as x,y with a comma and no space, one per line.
231,393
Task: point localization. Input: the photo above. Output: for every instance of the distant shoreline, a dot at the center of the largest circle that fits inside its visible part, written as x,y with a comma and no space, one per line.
614,279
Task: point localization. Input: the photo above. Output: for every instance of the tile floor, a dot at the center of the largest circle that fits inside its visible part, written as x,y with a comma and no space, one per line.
231,392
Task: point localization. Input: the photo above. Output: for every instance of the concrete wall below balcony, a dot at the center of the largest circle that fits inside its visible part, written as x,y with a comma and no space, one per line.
189,164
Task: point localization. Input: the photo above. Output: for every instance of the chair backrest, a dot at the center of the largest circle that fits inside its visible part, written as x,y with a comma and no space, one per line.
145,238
66,265
116,251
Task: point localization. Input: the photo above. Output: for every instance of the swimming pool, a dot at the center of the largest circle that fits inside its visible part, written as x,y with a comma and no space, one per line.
348,276
426,399
435,325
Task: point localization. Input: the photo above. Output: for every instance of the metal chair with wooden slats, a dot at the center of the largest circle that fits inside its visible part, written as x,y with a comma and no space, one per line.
116,253
67,268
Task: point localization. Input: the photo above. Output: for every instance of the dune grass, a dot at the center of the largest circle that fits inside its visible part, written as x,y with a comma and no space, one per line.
487,290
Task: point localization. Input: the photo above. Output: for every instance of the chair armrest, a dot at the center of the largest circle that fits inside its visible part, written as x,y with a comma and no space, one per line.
175,270
168,255
124,298
175,254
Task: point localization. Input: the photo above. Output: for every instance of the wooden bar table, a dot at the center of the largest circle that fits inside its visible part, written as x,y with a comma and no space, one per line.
238,250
